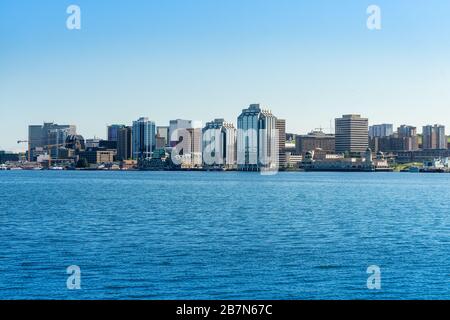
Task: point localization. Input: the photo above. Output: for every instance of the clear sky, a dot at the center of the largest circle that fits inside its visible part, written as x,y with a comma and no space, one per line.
308,61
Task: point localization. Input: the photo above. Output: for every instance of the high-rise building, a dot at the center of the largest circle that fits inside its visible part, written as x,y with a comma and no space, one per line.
160,142
162,132
34,140
34,136
407,131
408,134
257,140
381,130
315,140
175,125
219,144
195,148
124,144
144,138
433,137
54,134
280,125
113,131
352,134
393,143
49,137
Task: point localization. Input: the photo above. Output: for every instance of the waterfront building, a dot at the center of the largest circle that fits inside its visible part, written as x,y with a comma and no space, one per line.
315,140
219,145
144,138
339,163
280,126
8,157
113,132
381,130
157,162
433,137
128,164
124,143
422,155
257,140
352,134
97,156
293,160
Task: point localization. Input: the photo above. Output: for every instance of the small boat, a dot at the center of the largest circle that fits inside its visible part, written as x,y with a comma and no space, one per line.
414,169
56,168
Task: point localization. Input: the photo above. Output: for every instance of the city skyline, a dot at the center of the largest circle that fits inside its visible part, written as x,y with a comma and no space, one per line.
201,124
202,61
258,143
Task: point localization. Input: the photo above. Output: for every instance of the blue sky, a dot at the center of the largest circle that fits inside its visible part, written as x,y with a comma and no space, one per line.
308,61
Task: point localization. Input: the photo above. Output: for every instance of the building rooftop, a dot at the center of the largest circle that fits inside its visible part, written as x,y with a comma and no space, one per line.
351,116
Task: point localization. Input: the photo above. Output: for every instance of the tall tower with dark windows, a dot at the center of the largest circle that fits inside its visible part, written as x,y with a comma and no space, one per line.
144,138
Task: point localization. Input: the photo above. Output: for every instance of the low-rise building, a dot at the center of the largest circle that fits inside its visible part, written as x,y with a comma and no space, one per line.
128,164
8,157
293,160
97,156
422,155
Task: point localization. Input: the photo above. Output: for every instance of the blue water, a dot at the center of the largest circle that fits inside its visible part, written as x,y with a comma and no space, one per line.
199,235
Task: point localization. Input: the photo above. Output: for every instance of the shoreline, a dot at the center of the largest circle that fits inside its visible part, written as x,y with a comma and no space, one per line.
222,171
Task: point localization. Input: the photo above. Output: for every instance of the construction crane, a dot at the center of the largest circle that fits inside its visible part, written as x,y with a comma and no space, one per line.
29,153
47,146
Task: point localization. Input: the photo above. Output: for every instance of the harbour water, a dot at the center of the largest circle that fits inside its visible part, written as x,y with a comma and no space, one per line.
224,235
